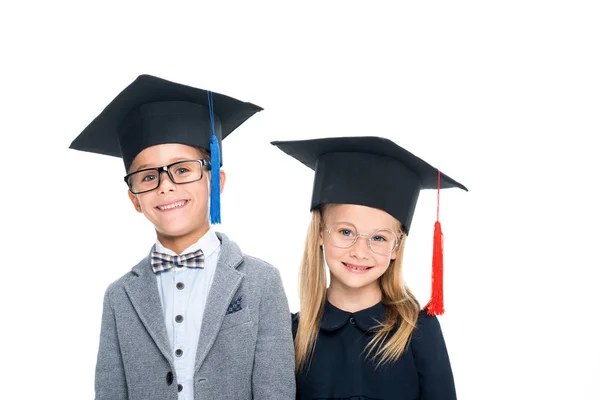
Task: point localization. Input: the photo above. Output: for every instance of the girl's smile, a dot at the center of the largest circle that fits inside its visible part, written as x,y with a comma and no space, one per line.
357,269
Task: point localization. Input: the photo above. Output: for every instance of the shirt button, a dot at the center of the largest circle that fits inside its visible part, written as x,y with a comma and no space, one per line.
178,352
169,378
179,388
179,318
180,285
352,320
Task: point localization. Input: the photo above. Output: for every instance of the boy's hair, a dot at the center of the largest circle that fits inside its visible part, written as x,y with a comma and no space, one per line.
204,153
401,306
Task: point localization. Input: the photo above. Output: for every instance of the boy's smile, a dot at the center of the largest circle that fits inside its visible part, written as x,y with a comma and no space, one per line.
172,205
179,212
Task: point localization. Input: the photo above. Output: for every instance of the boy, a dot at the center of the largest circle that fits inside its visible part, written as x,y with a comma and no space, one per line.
196,318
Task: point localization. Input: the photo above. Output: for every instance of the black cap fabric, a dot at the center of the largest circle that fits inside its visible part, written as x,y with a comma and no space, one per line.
153,111
369,171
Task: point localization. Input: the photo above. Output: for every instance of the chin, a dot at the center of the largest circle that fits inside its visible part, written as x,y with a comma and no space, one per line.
175,232
180,226
359,285
357,282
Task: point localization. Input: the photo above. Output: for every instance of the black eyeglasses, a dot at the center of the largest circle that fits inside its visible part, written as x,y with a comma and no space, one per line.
179,172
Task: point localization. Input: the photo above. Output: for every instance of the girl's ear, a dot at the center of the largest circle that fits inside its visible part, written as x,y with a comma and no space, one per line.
394,254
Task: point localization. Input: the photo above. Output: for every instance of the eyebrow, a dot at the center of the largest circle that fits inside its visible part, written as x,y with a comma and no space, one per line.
173,160
372,231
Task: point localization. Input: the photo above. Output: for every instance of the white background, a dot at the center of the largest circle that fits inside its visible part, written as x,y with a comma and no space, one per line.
502,96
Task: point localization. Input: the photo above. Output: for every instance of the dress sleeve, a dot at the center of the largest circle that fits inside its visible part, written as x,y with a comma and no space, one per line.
436,380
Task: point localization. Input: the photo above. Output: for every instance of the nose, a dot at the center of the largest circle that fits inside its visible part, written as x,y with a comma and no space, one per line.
360,248
166,184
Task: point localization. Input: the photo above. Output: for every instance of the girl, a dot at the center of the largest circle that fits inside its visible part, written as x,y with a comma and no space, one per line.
365,336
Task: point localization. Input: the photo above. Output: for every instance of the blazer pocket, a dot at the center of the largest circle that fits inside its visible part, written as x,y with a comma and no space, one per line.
237,318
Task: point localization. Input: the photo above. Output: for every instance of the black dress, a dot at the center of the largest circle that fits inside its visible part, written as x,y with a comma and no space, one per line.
339,368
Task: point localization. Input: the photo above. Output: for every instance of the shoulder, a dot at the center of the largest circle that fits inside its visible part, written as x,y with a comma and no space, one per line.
261,278
249,265
258,266
426,321
114,292
119,284
427,326
431,359
259,271
427,336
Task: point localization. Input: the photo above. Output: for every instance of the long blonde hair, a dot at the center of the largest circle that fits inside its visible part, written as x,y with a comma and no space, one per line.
388,344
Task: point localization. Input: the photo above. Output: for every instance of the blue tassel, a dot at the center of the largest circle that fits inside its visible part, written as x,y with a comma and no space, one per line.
215,170
215,181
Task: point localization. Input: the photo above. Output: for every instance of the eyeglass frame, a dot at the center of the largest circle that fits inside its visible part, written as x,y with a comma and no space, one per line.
368,237
166,168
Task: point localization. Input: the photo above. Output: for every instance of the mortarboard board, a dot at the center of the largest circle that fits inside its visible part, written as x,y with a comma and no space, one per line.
153,111
374,172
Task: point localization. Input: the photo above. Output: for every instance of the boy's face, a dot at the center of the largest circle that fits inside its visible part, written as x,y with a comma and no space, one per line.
179,212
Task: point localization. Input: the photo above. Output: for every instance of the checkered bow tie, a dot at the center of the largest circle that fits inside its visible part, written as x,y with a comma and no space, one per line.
162,262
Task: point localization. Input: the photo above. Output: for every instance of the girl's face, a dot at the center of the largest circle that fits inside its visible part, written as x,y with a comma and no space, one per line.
357,267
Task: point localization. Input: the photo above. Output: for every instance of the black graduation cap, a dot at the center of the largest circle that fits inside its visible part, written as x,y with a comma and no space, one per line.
153,111
369,171
374,172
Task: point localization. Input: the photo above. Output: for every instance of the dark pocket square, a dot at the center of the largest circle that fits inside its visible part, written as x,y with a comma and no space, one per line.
235,306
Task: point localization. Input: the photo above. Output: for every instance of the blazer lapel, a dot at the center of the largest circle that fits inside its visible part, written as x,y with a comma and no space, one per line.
143,294
225,283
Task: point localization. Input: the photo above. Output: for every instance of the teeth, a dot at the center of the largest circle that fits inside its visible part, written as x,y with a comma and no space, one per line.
171,206
357,268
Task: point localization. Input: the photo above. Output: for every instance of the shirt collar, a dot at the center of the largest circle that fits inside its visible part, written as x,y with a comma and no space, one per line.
209,243
367,319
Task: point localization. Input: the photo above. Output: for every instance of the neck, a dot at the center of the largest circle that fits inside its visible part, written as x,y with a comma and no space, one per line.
178,244
353,299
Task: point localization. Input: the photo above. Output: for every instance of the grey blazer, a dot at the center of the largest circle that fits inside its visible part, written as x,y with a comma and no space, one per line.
247,354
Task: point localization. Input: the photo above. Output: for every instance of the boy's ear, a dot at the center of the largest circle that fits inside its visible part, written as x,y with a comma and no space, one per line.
222,175
135,201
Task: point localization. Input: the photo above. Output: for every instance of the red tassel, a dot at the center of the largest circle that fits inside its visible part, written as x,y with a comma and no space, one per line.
435,306
436,303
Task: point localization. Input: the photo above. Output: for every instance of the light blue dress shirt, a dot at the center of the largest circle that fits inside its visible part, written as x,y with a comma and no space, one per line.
184,292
